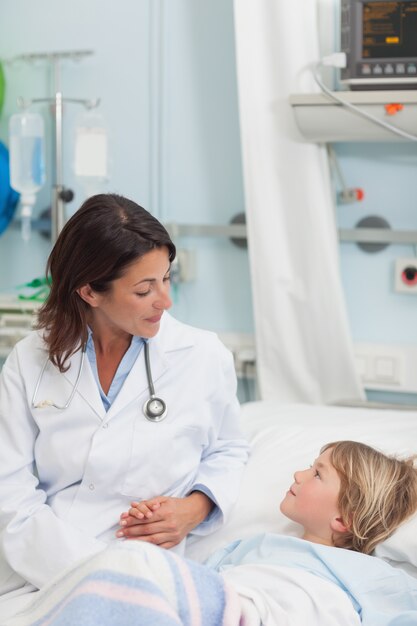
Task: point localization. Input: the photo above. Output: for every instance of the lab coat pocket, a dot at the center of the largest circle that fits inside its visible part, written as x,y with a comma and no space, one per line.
164,459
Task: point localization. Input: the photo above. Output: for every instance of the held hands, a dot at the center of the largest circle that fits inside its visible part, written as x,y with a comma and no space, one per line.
163,520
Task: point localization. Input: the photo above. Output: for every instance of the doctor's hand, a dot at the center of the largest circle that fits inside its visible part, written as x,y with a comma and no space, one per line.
163,520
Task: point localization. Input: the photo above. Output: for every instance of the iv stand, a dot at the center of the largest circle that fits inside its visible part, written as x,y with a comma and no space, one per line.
60,194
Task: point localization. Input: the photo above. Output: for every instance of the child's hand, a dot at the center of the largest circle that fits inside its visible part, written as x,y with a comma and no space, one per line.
138,511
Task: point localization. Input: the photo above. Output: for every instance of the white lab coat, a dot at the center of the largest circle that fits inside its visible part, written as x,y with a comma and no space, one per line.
66,475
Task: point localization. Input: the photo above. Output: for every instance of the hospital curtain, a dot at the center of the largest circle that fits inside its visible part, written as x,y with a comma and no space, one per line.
304,348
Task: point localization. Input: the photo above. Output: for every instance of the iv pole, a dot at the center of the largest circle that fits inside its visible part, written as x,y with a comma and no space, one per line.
60,194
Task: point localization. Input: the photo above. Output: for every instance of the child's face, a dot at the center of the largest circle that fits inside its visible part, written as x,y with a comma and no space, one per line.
312,499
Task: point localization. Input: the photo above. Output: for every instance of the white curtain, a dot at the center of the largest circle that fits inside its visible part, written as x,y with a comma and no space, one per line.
304,349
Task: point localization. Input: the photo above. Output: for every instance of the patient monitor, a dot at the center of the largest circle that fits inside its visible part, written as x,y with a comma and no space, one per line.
379,38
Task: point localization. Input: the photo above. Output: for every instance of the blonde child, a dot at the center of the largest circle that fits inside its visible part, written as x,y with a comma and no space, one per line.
349,500
353,496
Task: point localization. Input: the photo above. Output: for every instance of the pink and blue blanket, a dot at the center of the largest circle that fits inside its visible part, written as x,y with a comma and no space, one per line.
134,584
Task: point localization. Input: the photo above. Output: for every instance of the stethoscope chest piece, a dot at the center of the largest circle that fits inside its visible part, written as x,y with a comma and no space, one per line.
155,409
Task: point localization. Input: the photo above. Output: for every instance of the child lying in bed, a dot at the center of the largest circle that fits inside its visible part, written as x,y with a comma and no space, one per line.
350,499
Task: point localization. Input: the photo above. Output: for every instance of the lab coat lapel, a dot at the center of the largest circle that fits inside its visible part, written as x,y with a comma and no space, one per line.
173,336
87,386
136,383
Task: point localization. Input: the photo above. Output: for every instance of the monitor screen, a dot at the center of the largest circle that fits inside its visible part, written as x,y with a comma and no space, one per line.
389,30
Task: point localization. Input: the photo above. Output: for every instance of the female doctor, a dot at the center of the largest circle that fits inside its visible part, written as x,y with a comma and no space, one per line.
116,421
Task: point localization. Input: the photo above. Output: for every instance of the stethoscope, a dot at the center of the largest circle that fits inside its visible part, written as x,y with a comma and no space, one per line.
154,409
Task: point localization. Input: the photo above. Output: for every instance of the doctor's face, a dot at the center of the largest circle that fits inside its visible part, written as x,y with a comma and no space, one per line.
137,300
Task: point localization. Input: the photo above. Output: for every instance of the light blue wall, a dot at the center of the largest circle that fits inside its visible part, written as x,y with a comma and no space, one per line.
387,173
201,179
165,72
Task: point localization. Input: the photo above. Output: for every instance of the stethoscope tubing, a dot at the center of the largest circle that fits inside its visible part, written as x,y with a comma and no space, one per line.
45,403
154,409
148,370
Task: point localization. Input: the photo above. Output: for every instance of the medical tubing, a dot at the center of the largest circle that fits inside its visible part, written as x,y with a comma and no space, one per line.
357,110
148,370
334,161
26,223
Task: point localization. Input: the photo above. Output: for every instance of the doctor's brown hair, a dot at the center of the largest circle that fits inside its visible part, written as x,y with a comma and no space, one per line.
96,245
377,493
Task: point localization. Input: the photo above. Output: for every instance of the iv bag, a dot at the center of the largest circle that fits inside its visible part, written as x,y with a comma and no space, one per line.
27,162
27,152
91,149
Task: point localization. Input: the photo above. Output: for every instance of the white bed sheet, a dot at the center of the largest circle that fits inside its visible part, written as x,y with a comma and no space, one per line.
287,438
284,596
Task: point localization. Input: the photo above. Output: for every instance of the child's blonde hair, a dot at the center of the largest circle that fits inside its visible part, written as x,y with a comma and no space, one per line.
377,493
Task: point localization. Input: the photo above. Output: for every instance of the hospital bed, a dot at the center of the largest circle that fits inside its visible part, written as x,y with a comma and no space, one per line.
287,438
283,439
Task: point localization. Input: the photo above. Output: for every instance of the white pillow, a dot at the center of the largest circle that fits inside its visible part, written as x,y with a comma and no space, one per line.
287,438
401,548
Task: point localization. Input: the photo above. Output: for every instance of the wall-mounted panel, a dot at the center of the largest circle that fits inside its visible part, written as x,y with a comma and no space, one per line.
321,119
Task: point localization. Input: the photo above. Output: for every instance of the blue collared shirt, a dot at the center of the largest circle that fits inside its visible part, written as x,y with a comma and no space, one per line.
122,371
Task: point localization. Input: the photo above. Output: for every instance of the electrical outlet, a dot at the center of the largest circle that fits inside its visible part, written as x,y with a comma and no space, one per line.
349,195
406,275
380,365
